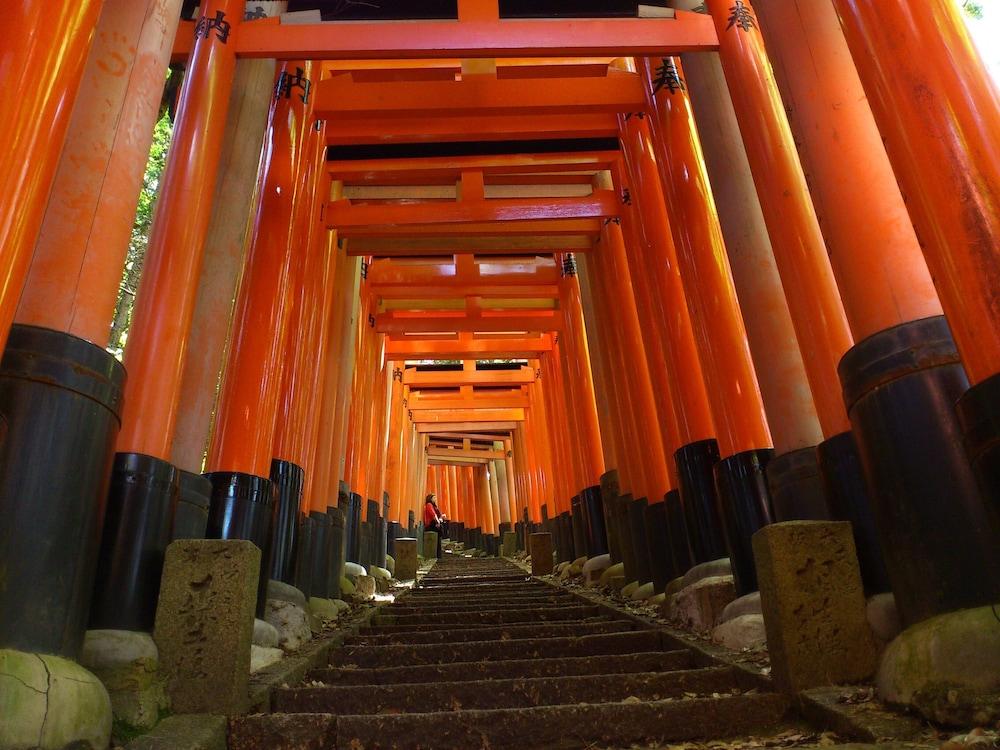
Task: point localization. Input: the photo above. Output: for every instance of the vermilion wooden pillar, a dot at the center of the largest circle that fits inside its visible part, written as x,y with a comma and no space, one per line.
164,305
394,462
351,302
43,51
939,125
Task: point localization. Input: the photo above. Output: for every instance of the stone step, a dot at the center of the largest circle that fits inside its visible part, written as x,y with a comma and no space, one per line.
528,648
556,727
511,693
612,664
494,633
497,617
497,605
412,599
429,582
393,629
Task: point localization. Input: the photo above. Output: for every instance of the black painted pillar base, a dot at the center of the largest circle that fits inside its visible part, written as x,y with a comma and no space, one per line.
636,510
319,558
594,518
303,556
579,528
796,485
393,532
137,528
367,538
695,466
680,547
620,506
610,490
746,507
661,562
849,500
335,552
979,416
353,529
60,402
191,516
243,508
939,536
287,479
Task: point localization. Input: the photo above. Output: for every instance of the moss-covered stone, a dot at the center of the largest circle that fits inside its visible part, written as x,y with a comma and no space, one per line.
127,663
51,703
947,667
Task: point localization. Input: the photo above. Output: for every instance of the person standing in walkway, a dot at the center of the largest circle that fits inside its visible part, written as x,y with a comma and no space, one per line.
432,520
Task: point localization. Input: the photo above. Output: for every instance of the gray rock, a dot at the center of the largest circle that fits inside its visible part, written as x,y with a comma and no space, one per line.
643,592
376,572
264,634
364,587
282,592
618,569
291,623
883,616
947,668
324,609
594,567
127,663
262,657
700,605
51,703
740,632
710,569
748,604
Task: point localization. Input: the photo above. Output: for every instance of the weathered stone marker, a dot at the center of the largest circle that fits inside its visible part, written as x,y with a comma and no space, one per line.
509,546
204,623
541,553
430,544
813,604
406,559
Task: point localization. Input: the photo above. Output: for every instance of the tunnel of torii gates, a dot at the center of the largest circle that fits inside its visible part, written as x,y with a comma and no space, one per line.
549,269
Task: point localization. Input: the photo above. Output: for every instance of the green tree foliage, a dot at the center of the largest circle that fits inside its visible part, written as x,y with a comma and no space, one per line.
973,8
140,235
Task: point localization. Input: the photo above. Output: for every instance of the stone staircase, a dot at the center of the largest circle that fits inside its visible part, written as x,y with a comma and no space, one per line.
480,655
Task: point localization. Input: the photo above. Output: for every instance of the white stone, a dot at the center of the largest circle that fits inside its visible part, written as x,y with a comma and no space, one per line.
710,569
376,572
282,592
700,605
610,572
262,657
324,609
347,586
629,588
127,663
643,592
264,634
593,568
883,617
390,564
291,623
740,632
51,703
749,604
353,569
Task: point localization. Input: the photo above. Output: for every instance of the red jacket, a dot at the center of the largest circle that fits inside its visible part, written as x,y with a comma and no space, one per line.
430,515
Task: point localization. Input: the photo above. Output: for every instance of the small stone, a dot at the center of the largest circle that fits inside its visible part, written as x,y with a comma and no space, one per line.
390,565
579,562
700,605
353,570
282,592
618,569
365,587
324,609
616,583
347,586
741,632
291,622
748,604
204,623
594,567
376,572
262,657
628,589
657,599
710,569
643,592
560,567
127,663
674,586
341,605
814,604
382,585
51,703
947,667
264,634
883,617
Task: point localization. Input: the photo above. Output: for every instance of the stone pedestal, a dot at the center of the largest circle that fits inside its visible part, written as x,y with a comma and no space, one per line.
406,558
204,623
509,546
814,604
430,544
541,554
